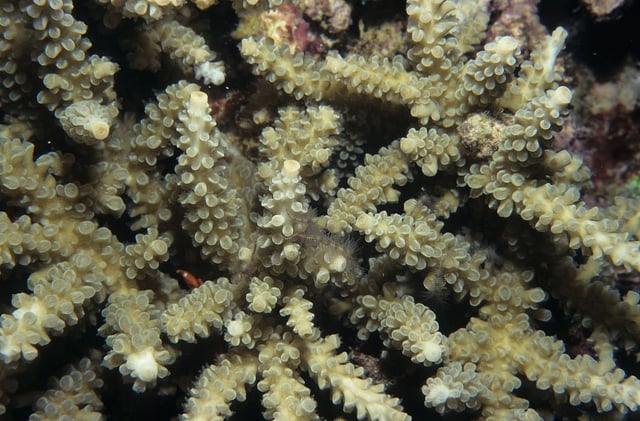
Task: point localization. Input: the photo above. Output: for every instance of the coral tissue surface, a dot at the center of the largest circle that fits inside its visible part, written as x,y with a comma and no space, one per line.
302,209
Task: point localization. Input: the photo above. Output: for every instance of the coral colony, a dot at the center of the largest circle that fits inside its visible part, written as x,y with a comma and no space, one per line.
307,231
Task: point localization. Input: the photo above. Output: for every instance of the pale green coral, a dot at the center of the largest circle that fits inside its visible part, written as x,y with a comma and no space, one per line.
258,211
74,395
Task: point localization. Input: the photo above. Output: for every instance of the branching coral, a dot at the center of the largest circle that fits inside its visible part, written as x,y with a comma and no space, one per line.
263,219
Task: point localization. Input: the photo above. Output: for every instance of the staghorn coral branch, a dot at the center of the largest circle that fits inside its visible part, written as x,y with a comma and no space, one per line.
459,193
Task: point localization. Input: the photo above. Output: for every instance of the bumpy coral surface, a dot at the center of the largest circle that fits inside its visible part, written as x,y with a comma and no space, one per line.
382,237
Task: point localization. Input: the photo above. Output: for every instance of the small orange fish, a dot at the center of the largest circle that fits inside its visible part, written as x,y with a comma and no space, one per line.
189,279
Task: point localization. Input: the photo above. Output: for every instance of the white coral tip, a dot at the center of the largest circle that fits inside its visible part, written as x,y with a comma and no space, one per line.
211,72
143,365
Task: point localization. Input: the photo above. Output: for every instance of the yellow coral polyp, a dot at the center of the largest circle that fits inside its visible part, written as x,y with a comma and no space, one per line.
99,129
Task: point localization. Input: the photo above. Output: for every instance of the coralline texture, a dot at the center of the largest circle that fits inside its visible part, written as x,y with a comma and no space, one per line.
72,79
518,18
467,203
188,49
602,8
147,9
74,395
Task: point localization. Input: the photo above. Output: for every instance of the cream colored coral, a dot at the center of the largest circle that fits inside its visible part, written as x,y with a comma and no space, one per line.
263,294
190,50
183,45
76,84
147,252
204,178
206,307
347,385
204,4
307,136
432,149
456,387
147,9
61,293
537,74
296,74
240,330
15,85
87,121
298,310
237,201
75,395
286,207
285,396
133,334
373,184
220,384
407,325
